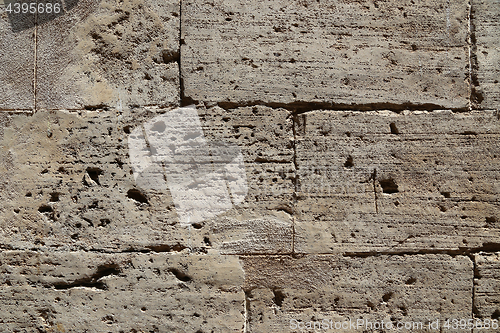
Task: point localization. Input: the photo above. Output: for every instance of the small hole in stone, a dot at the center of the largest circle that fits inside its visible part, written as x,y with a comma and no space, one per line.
104,222
94,174
17,210
136,195
45,209
28,194
445,194
442,208
387,297
197,225
143,308
496,314
349,162
207,242
348,134
411,280
126,129
389,186
491,219
180,275
394,129
54,197
279,297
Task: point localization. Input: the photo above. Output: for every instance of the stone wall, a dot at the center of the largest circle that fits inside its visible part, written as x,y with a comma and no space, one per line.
370,136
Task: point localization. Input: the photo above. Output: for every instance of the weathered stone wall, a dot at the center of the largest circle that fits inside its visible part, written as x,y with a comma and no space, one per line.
370,135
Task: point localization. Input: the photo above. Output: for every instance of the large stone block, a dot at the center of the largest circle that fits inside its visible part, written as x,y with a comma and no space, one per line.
486,24
283,291
92,292
487,286
17,61
381,181
262,223
364,53
67,182
109,53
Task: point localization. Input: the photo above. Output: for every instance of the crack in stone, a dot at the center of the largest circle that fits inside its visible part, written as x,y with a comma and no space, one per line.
373,177
303,107
92,281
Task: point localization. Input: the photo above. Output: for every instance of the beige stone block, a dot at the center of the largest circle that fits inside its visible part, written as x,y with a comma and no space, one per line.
78,292
109,54
17,62
485,22
67,182
398,289
263,222
360,53
487,286
381,181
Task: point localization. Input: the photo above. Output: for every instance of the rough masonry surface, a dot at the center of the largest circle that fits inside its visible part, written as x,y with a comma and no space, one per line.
369,132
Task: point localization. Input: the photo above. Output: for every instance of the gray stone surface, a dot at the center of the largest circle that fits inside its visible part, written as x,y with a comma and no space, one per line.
486,24
364,52
418,288
104,54
487,286
93,292
17,62
429,181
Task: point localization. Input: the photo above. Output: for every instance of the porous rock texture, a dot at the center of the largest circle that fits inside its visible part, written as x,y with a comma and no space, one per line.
370,137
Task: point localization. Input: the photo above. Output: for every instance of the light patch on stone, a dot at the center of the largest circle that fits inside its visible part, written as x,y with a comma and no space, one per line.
204,178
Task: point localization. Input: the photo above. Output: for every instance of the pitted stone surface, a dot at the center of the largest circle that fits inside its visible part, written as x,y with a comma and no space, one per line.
367,133
73,186
487,286
109,54
92,292
17,63
418,288
363,52
486,24
263,222
382,181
